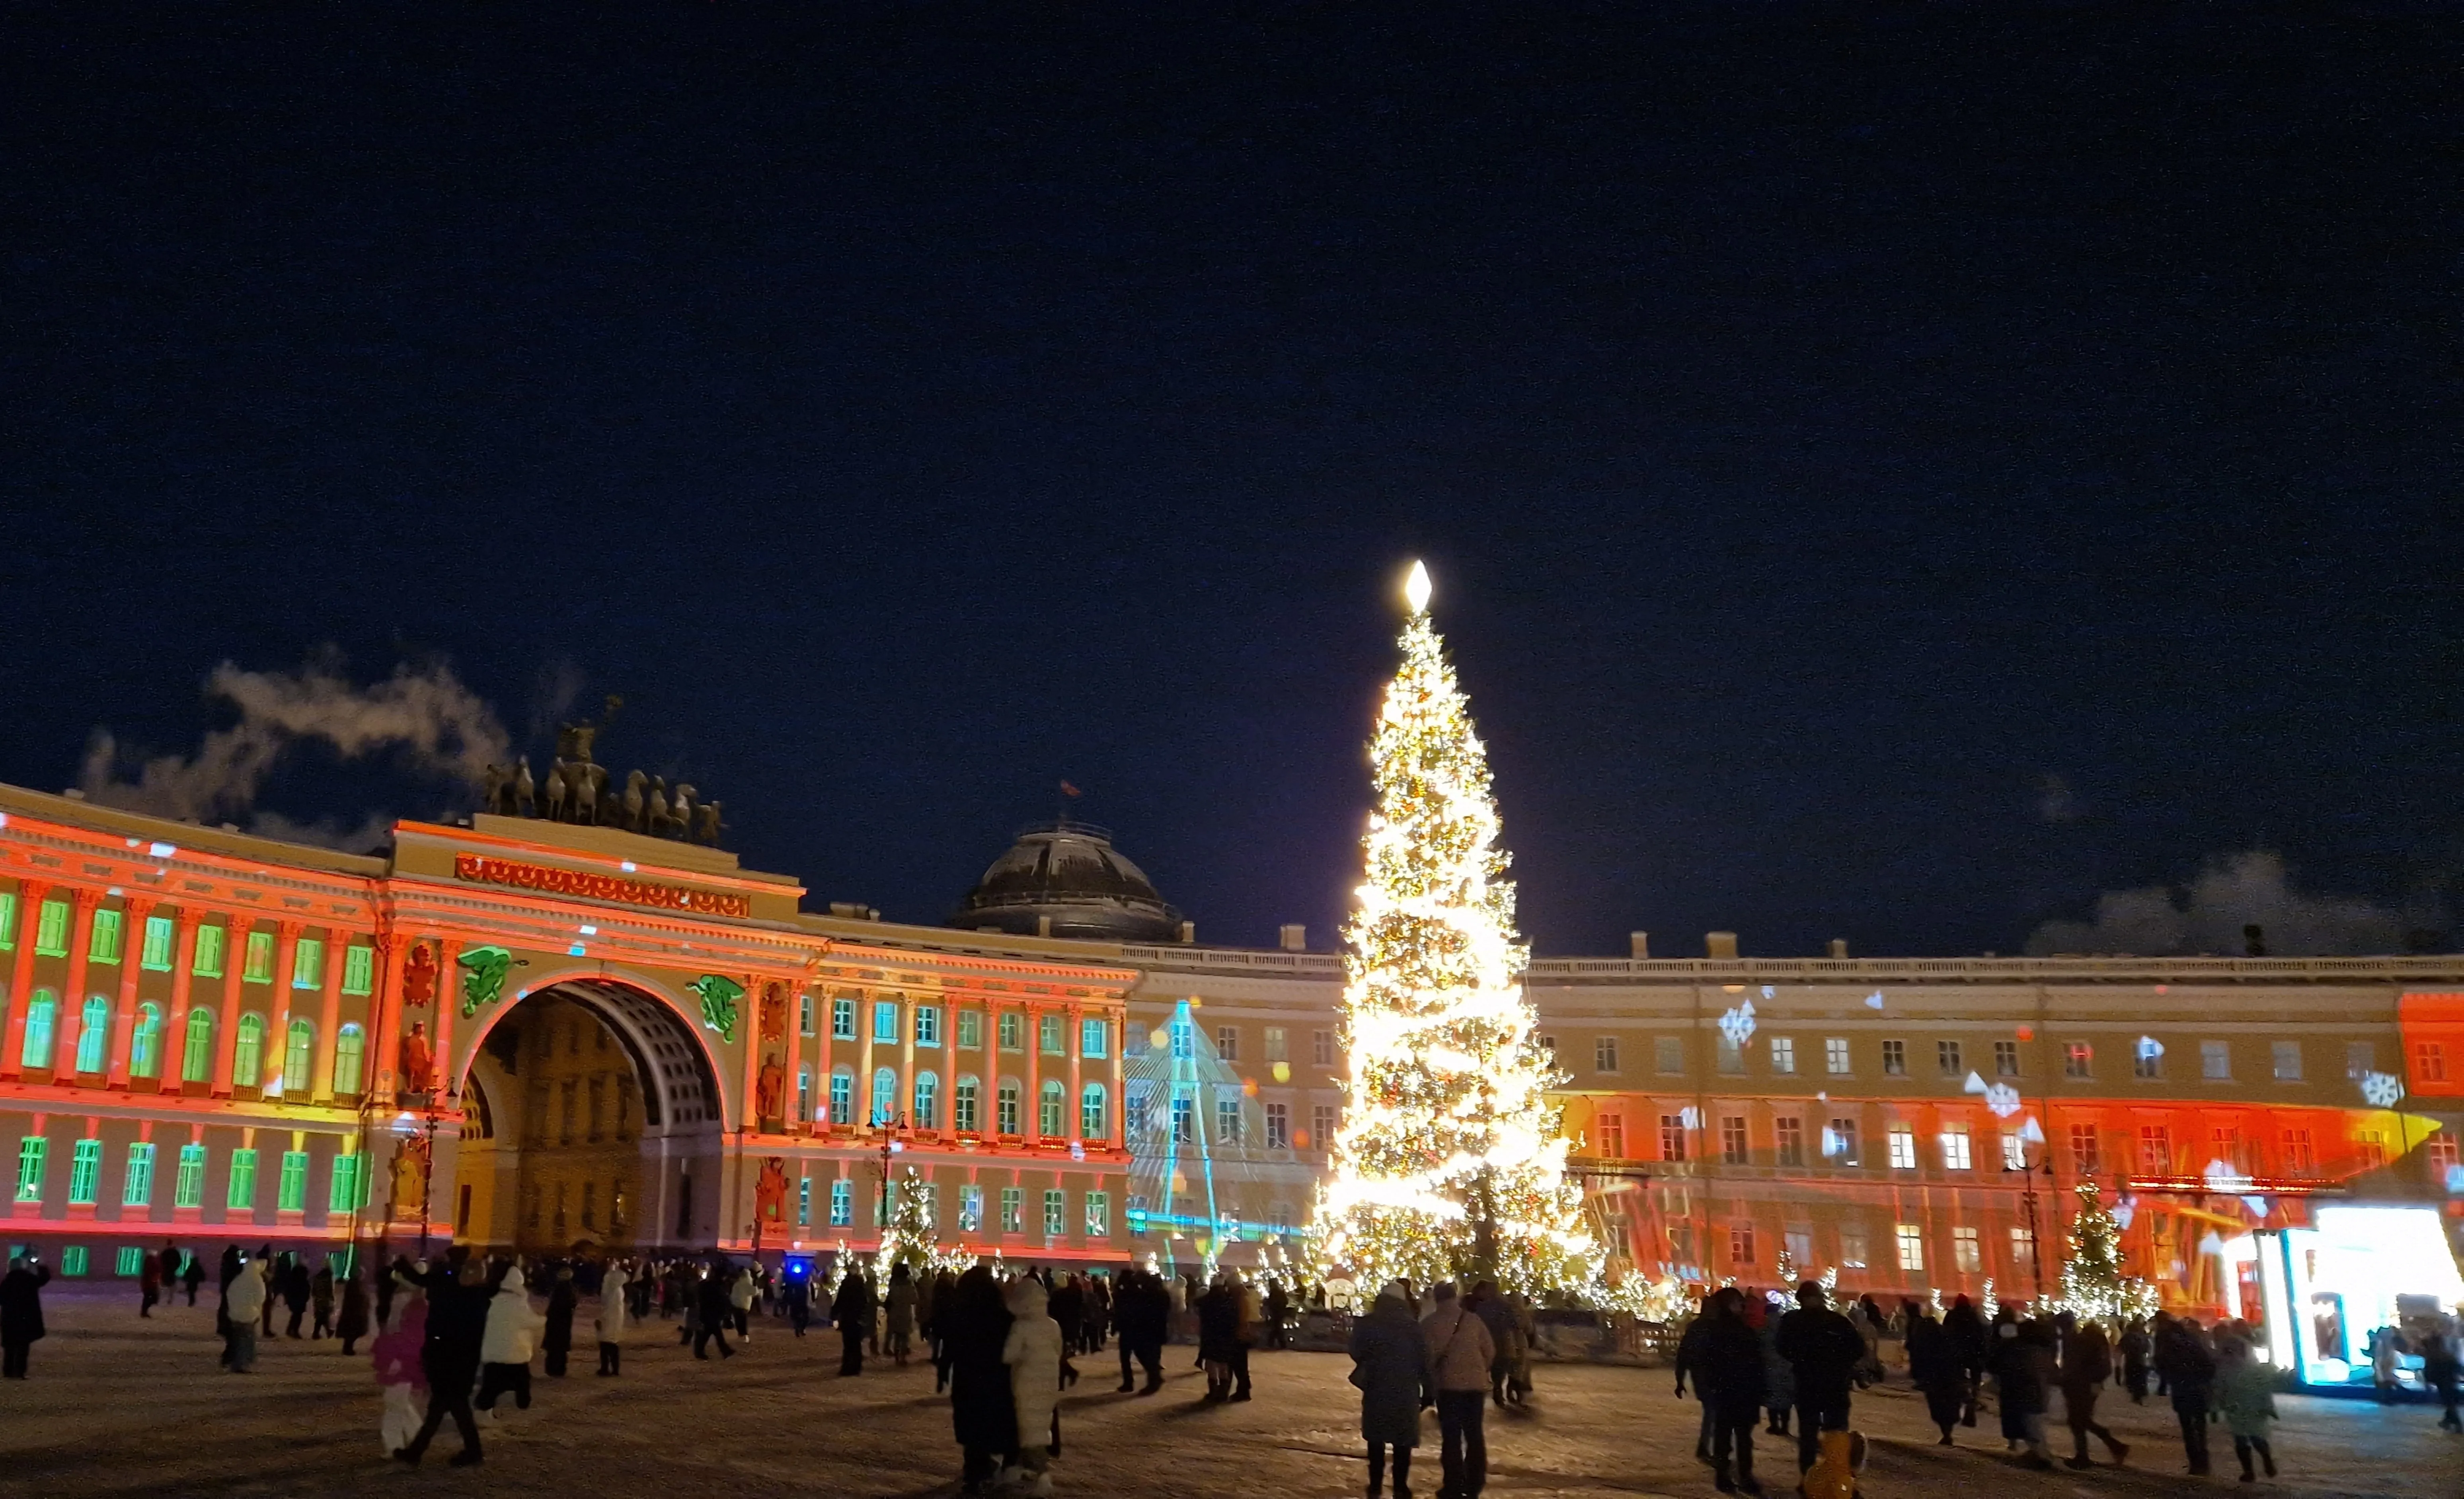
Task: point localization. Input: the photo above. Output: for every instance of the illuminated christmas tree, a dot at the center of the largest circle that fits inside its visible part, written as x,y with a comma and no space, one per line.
908,1236
2094,1286
1448,1161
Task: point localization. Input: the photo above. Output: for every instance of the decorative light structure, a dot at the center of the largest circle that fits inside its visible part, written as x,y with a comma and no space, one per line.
2094,1286
1448,1159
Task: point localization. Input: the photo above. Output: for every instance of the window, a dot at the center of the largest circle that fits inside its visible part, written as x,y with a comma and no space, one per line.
296,1063
1094,1038
1279,1126
1800,1243
1278,1048
1903,1148
2428,1062
1604,1057
2224,1144
841,1018
1013,1209
211,942
31,1152
1946,1058
2360,1060
130,1260
94,1034
137,1185
1967,1255
2005,1059
359,970
350,1053
1322,1126
1672,1136
161,933
52,930
1135,1106
1783,1054
928,1025
842,1096
2155,1149
41,1015
2442,1159
1094,1118
1054,1098
2084,1148
85,1170
290,1192
1895,1058
2370,1145
197,1055
2023,1247
2148,1059
1012,1030
1227,1043
1048,1034
1834,1055
257,966
885,1022
7,921
1734,1148
73,1259
1227,1121
2079,1059
2287,1055
966,1107
885,1096
842,1203
804,1027
1184,1044
1005,1106
242,1197
1321,1047
2014,1151
308,963
1792,1140
1741,1246
971,1209
1730,1057
188,1187
1911,1242
2296,1155
971,1030
248,1055
104,945
1668,1053
1099,1215
927,1101
1852,1246
1137,1215
1840,1144
1055,1212
1956,1155
2215,1060
803,1097
1547,1049
343,1195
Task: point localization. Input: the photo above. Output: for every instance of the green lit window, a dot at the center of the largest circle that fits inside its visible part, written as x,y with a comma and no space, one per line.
103,946
1050,1107
350,1051
86,1172
211,942
138,1190
130,1260
295,1056
1056,1213
188,1189
308,964
344,1197
1047,1035
359,971
94,1033
145,1043
52,934
73,1260
31,1151
248,1052
162,936
7,921
243,1180
292,1194
1099,1215
197,1057
40,1016
259,967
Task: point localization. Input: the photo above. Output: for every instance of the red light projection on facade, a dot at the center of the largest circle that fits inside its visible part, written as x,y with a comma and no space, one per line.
482,870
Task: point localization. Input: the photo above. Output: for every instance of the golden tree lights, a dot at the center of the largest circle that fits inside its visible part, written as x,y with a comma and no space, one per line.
1449,1159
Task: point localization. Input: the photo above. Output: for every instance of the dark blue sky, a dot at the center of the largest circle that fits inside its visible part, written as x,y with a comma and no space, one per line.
1891,472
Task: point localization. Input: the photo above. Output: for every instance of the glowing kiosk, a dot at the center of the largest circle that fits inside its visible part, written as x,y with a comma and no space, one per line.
2327,1289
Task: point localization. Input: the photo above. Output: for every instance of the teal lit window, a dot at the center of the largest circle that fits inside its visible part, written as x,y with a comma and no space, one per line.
803,1202
803,1014
359,970
136,1190
86,1172
1010,1029
162,936
247,1054
350,1053
842,1203
52,930
41,1016
885,1021
243,1180
211,941
1091,1120
842,1020
290,1195
966,1106
73,1260
1094,1038
31,1151
885,1096
94,1034
1006,1106
928,1025
145,1042
197,1057
296,1056
129,1260
841,1097
1047,1035
258,968
927,1101
188,1187
110,926
1047,1115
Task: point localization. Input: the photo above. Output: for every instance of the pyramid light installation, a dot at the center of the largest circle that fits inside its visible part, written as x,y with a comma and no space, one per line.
1447,1161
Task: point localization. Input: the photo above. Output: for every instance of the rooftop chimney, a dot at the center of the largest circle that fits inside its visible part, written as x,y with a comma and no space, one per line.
1719,945
1294,938
1839,946
2254,941
1189,931
1044,927
1642,941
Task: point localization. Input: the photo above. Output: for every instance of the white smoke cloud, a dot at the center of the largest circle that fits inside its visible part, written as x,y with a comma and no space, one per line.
2208,916
443,727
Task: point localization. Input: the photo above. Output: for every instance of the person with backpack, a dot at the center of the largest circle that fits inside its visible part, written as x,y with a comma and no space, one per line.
1459,1353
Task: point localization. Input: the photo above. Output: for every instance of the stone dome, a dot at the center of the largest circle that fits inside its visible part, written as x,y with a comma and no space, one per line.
1065,880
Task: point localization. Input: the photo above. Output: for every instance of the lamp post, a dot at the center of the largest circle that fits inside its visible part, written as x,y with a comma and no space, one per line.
421,1126
2028,1202
888,1129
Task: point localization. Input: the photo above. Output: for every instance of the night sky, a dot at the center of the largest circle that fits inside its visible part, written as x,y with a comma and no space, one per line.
1891,472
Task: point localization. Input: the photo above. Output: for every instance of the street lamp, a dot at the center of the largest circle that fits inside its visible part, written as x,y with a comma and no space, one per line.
421,1127
888,1129
2028,1201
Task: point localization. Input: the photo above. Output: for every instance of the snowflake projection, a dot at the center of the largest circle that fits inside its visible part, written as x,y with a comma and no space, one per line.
2032,1131
2123,1212
1874,1000
1738,1025
1832,1144
2381,1090
1691,1117
1769,993
1999,1097
2150,1049
2455,1179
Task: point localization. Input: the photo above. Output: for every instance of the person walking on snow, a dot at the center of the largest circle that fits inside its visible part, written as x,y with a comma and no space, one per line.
2087,1363
558,1341
983,1415
2245,1396
245,1299
1822,1349
711,1313
506,1345
1390,1363
400,1378
1459,1353
351,1323
612,1310
1033,1351
21,1312
851,1312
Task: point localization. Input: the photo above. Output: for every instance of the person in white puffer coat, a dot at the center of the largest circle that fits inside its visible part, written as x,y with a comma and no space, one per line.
611,1319
1033,1354
505,1349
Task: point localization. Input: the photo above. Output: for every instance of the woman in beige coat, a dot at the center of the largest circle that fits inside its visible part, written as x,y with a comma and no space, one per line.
1033,1354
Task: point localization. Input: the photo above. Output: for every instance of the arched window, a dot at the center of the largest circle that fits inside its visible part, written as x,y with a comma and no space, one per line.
966,1106
885,1096
40,1016
248,1052
350,1055
197,1055
842,1096
145,1043
927,1101
1008,1106
298,1057
1091,1120
1047,1118
94,1034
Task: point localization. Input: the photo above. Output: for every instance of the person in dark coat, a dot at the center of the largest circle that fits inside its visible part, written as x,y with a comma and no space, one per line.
297,1285
1965,1326
1690,1362
320,1292
352,1323
1390,1363
1219,1335
457,1322
386,1284
193,1276
558,1341
2086,1363
1068,1308
852,1312
798,1295
1934,1367
2133,1347
1142,1317
975,1326
2189,1371
712,1313
21,1312
166,1261
1823,1349
1729,1381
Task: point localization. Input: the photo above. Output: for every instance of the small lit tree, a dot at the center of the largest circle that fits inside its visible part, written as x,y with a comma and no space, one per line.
909,1238
2094,1286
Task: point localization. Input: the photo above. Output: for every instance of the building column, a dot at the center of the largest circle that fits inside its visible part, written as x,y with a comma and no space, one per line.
329,1034
447,1001
31,896
860,1099
906,1059
70,1027
1072,1108
751,1117
235,930
1031,1127
278,1031
175,1024
821,1121
124,1014
1117,1113
385,1037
